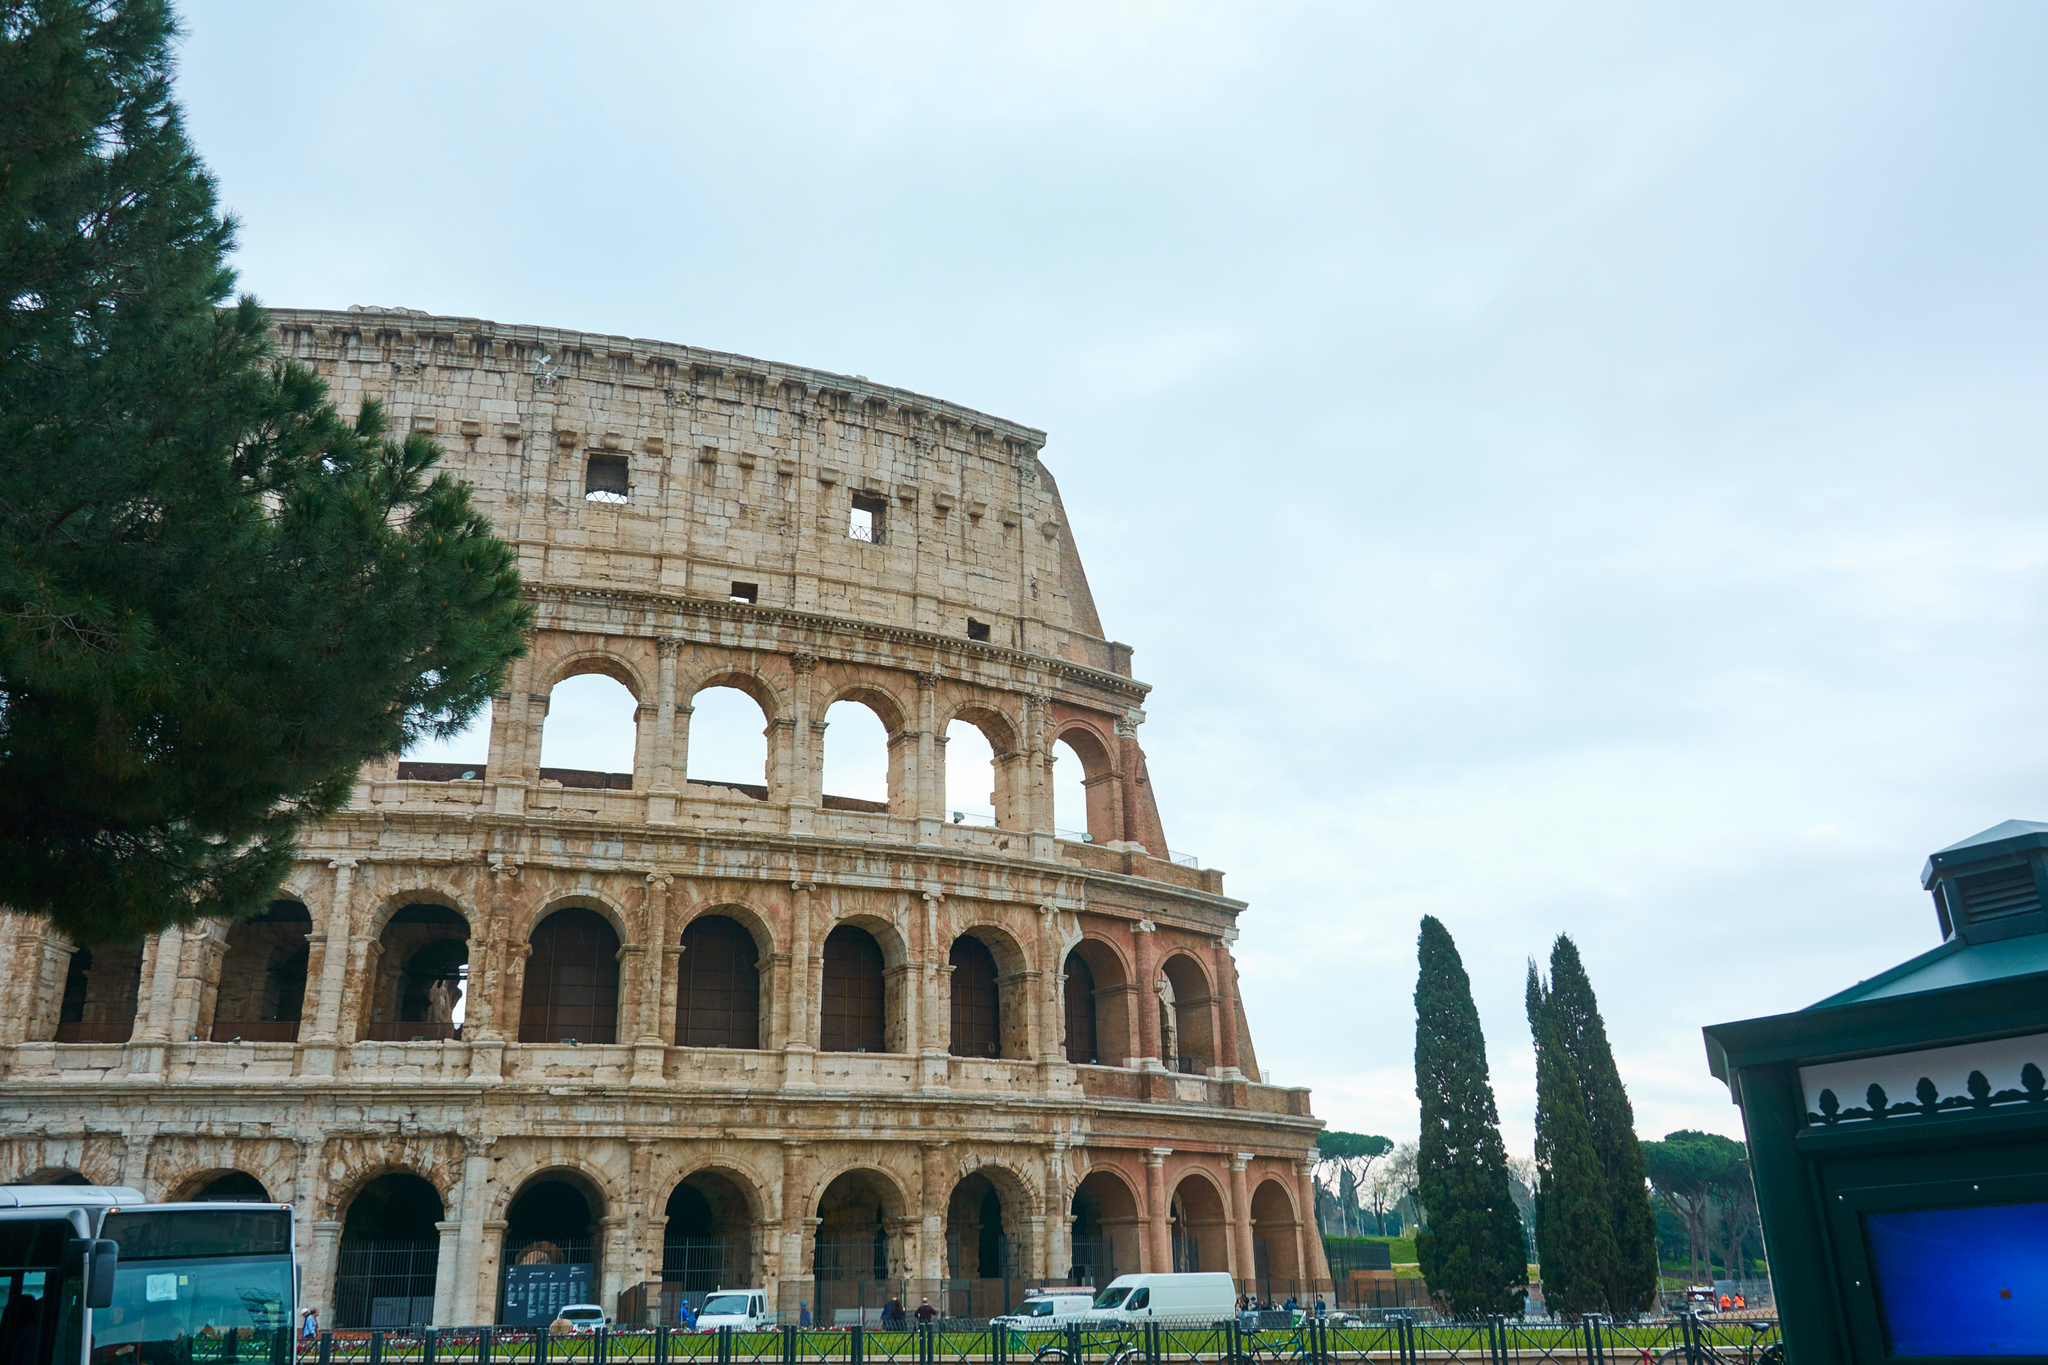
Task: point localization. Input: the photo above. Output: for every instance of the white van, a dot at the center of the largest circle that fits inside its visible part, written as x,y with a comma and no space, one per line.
1045,1309
1206,1297
743,1310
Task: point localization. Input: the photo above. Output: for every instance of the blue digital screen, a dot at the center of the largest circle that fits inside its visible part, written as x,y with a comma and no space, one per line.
1963,1282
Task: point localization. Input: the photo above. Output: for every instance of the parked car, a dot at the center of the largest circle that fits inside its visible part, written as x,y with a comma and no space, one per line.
578,1318
1045,1309
743,1310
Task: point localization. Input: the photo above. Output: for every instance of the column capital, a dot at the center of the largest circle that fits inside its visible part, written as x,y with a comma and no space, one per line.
1156,1156
803,661
1240,1160
338,863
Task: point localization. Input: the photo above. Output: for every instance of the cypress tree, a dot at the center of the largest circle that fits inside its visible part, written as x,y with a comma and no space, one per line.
1632,1284
218,599
1472,1252
1574,1233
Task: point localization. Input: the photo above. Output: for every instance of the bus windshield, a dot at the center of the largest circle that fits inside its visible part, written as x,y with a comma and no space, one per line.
191,1283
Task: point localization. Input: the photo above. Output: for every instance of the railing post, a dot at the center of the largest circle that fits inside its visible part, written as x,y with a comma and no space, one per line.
326,1350
376,1348
540,1346
854,1348
486,1346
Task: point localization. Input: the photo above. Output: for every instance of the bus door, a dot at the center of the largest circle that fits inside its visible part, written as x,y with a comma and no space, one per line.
41,1322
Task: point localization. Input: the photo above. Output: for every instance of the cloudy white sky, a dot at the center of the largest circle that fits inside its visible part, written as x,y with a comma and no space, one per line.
1564,468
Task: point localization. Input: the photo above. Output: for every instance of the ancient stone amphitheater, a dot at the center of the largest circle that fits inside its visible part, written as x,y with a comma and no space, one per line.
514,1035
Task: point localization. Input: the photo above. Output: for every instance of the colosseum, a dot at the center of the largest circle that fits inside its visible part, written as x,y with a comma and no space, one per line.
514,1035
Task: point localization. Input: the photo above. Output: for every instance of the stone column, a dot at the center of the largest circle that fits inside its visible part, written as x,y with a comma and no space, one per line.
1307,1246
330,943
933,1193
1037,769
796,1180
615,1268
1051,995
199,960
930,1034
445,1273
1146,968
931,761
476,1173
159,987
649,1048
1241,1221
1059,1216
1159,1237
320,1274
1225,1011
793,748
800,1038
661,804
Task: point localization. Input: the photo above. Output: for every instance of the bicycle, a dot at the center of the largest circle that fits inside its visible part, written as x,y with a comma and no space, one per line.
1125,1352
1293,1351
1704,1353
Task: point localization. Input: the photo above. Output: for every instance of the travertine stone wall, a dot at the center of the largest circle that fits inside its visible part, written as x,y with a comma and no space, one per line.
740,472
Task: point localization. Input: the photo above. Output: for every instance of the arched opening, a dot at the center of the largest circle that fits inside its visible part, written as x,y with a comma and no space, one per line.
977,1007
718,986
972,778
857,760
390,1249
1107,1230
551,1255
571,991
1187,1041
1276,1242
857,1249
462,756
980,1258
233,1187
422,973
263,976
589,735
708,1242
100,990
53,1175
1083,1040
728,742
1083,789
1200,1232
853,1001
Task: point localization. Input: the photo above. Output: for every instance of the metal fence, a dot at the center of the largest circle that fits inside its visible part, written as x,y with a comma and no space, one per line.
1398,1339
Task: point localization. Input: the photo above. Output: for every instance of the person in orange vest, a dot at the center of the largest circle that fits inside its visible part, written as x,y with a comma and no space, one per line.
1739,1304
1724,1303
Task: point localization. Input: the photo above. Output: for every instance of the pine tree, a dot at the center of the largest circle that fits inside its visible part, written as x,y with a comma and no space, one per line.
218,599
1632,1285
1574,1232
1472,1252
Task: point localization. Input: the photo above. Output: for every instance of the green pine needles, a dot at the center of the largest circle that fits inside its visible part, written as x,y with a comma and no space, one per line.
1472,1253
218,598
1596,1235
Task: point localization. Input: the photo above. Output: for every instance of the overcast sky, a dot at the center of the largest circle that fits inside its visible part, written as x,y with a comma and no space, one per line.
1565,468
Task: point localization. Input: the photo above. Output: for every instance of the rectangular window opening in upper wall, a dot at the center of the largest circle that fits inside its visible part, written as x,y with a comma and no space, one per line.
977,630
746,592
604,480
866,521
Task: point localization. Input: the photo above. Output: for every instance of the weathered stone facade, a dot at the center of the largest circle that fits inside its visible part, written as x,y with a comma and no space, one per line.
647,487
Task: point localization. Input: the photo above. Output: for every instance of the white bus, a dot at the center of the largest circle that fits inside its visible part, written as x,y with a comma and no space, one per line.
92,1275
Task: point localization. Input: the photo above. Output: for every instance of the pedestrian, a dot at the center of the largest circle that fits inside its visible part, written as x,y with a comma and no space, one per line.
309,1325
1291,1305
686,1316
925,1313
803,1315
1322,1309
1724,1303
892,1314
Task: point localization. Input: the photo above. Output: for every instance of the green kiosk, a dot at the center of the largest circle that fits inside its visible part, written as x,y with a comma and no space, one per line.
1898,1131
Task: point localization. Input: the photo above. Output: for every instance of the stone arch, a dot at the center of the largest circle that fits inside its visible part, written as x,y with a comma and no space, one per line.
1094,752
581,896
1187,1032
856,985
893,710
717,757
53,1175
360,1175
552,1248
570,981
102,993
863,1236
421,970
260,989
221,1183
607,662
1108,1227
859,769
708,1241
1105,1001
1006,763
388,1257
990,1001
1276,1238
1198,1221
719,997
989,1216
756,685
